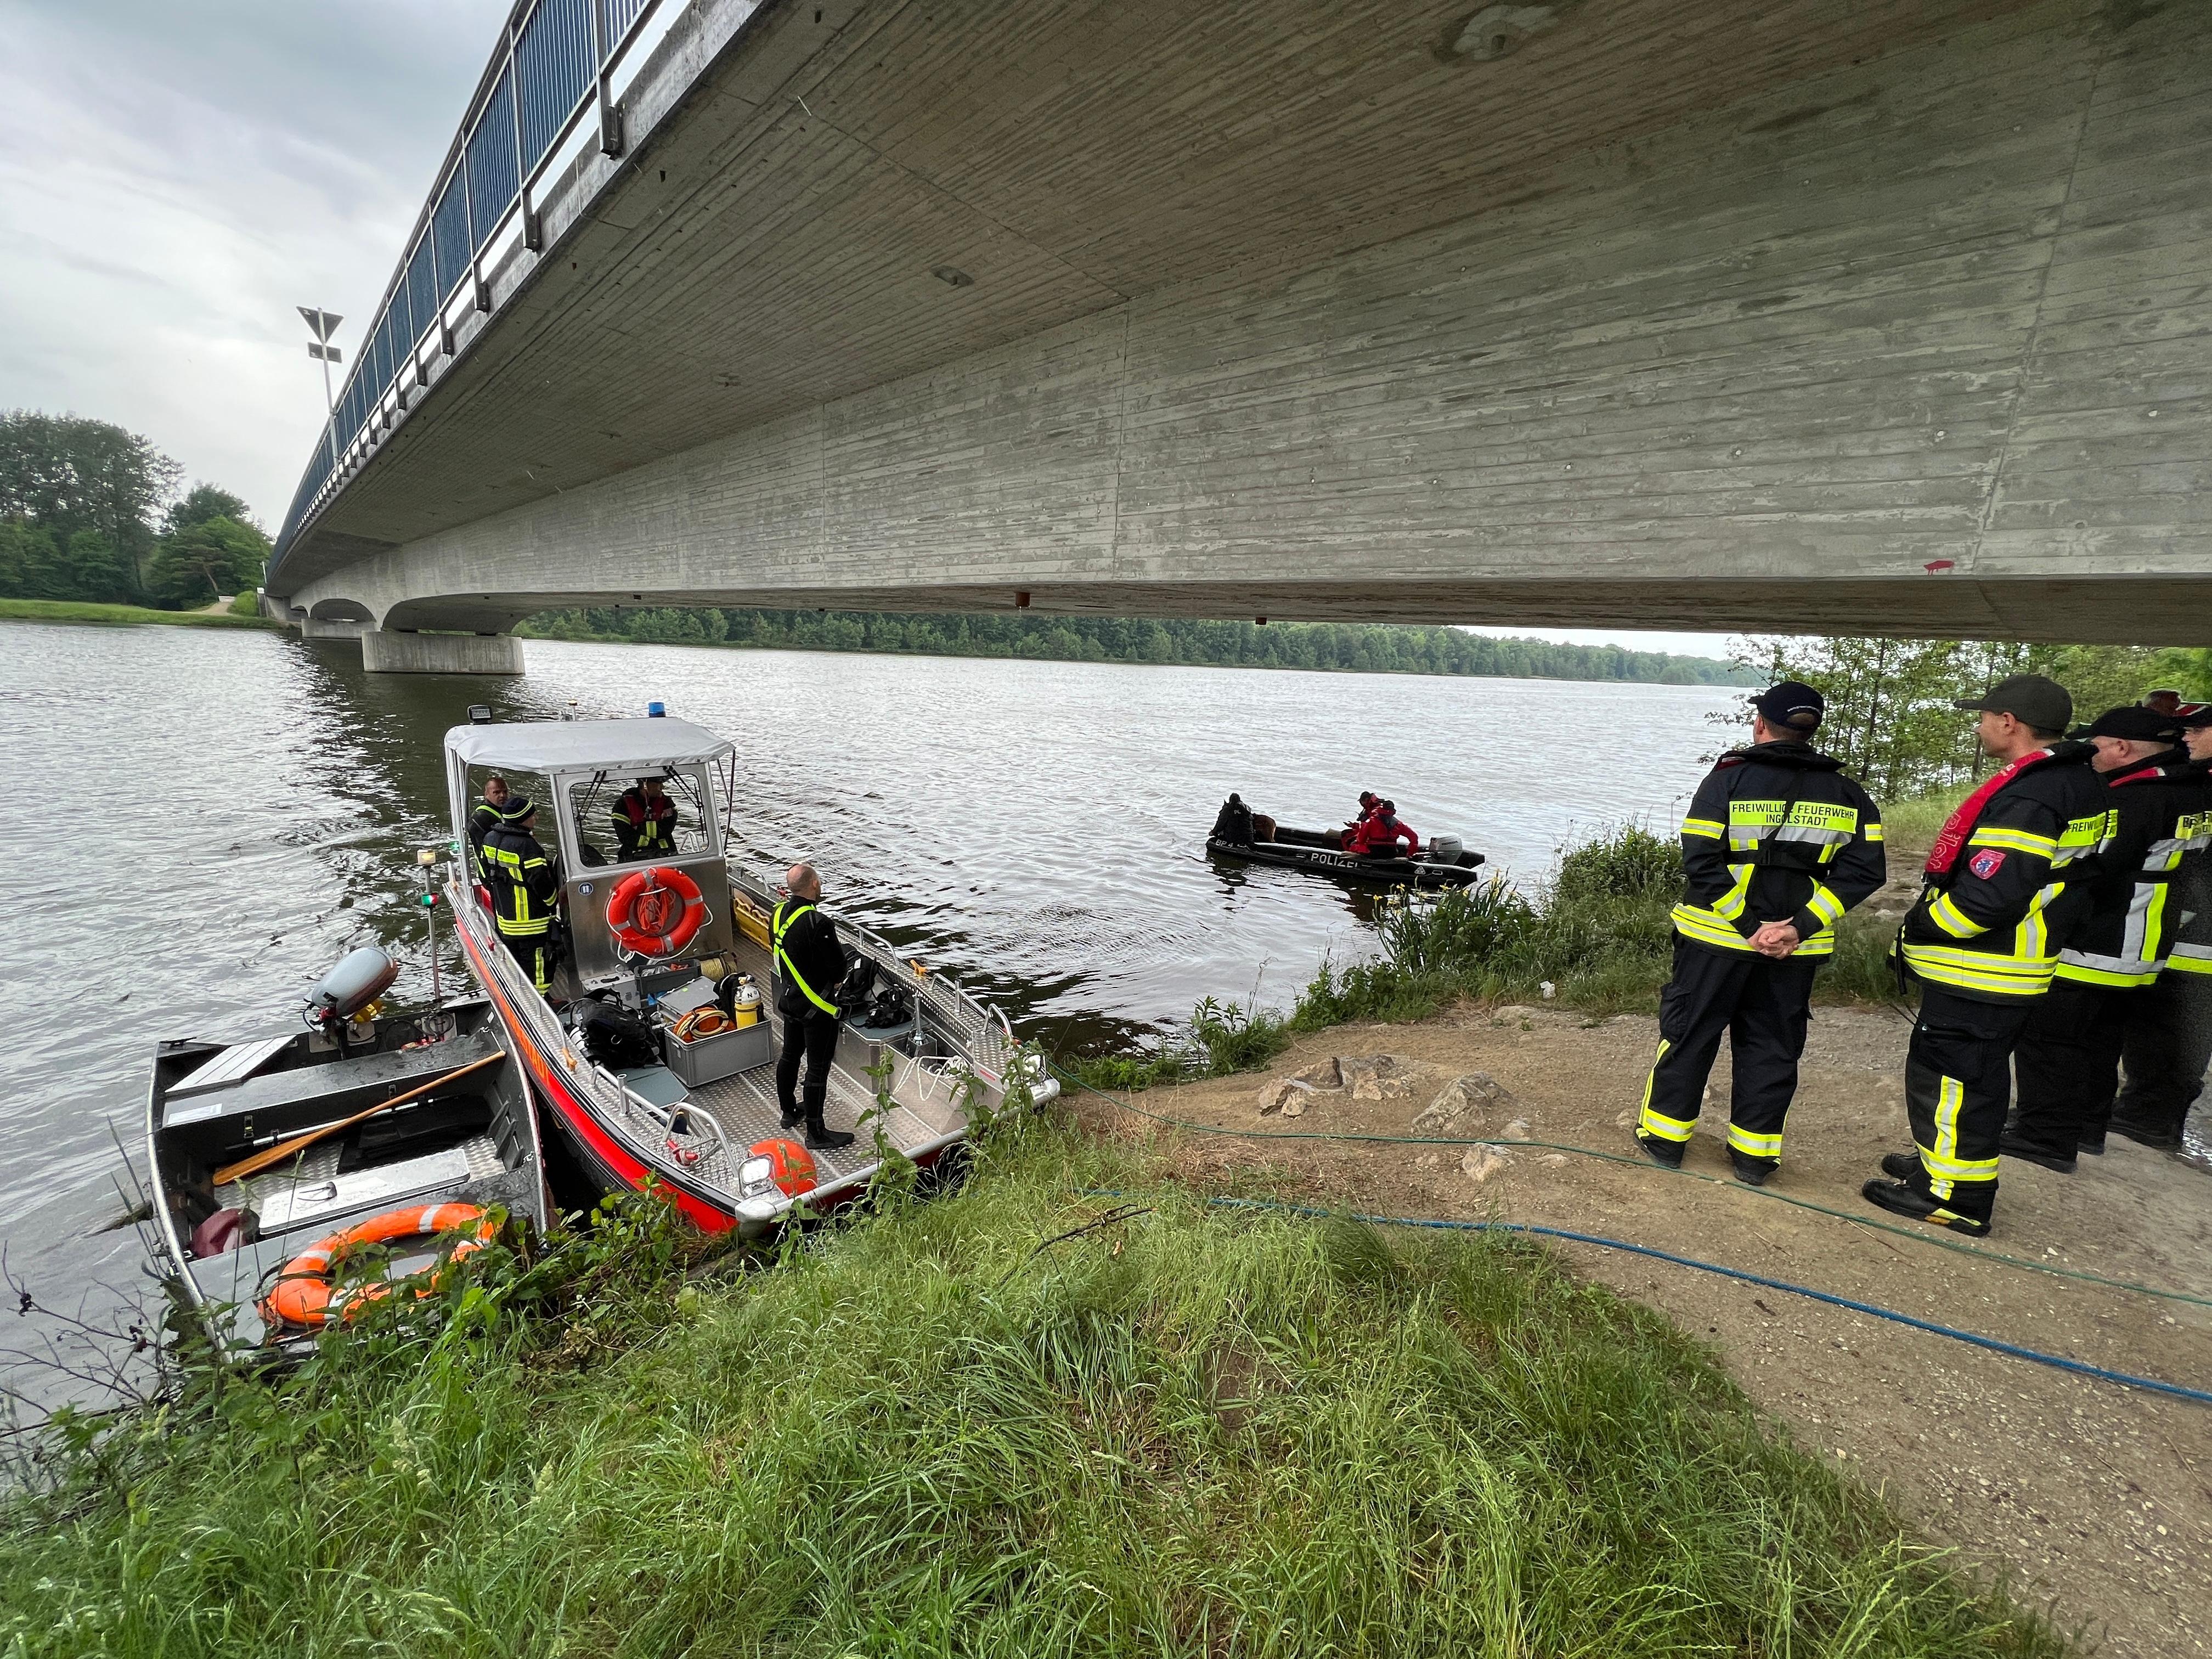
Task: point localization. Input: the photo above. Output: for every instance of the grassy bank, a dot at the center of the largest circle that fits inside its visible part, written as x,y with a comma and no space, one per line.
954,1428
1599,935
72,611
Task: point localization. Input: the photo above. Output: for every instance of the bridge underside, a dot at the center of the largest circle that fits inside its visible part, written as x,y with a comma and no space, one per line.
1887,319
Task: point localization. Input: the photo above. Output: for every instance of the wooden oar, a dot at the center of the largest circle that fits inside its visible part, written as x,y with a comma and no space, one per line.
247,1167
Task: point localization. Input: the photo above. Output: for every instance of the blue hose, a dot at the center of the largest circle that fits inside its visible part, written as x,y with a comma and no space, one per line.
2079,1368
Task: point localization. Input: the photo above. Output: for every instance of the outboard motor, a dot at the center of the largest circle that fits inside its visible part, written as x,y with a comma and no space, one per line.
359,979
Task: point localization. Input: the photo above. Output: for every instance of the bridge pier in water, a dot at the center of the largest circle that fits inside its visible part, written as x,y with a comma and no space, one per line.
395,651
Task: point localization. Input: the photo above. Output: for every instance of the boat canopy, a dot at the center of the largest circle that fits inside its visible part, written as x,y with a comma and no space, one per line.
622,745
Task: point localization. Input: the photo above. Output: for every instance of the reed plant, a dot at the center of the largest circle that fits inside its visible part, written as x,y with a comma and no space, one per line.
1018,1419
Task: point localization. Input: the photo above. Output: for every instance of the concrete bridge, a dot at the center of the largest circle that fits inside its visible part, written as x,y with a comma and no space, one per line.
1888,316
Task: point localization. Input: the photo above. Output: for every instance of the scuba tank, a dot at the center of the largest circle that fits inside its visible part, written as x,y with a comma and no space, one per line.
741,998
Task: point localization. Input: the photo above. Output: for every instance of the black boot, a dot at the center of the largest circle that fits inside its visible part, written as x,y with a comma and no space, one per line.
821,1136
1899,1199
1751,1171
792,1117
1901,1166
1666,1152
2146,1134
2028,1152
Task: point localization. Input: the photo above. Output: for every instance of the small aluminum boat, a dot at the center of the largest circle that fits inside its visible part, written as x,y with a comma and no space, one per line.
1316,852
912,1068
460,1131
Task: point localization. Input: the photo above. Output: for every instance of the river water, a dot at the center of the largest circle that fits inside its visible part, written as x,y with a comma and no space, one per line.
201,822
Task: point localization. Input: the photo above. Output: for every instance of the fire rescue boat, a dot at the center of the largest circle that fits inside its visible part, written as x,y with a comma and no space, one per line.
670,952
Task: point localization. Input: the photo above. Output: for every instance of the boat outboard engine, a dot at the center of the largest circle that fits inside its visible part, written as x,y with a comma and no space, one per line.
1445,849
359,978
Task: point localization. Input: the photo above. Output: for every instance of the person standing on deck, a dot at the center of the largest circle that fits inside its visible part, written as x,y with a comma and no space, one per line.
1778,843
2004,897
484,817
2164,1052
525,888
645,822
811,963
2069,1061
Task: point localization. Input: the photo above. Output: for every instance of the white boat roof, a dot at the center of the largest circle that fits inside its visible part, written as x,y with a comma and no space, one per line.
586,745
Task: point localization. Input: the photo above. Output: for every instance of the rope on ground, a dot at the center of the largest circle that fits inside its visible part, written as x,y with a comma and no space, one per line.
2057,1362
1917,1235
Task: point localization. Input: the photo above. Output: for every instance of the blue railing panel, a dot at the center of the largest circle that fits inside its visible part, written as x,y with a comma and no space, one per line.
449,233
553,64
490,161
527,96
422,288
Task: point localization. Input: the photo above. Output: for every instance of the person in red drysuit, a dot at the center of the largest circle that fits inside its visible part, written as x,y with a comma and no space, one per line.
1379,836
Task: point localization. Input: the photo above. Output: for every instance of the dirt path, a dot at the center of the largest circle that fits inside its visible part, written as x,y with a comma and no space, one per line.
2096,1499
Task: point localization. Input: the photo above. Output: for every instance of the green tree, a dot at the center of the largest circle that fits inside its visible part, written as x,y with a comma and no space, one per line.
197,564
202,503
65,474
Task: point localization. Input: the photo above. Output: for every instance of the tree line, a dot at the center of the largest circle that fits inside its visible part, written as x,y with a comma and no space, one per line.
90,512
1891,719
1348,648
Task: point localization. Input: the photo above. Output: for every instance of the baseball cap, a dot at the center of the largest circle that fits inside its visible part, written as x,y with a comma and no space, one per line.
2132,720
2042,703
1792,703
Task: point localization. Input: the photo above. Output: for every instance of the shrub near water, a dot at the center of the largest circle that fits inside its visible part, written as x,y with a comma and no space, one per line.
1196,1432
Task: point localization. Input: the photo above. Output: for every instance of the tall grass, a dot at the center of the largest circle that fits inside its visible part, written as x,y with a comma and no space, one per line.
942,1432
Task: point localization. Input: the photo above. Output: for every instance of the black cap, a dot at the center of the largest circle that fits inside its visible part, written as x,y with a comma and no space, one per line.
1793,704
2133,720
2042,703
518,808
2194,714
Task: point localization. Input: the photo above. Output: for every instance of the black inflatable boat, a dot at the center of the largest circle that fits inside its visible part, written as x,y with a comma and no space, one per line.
1316,852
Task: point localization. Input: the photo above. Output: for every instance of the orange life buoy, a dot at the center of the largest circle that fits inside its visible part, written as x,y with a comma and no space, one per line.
702,1022
307,1287
656,911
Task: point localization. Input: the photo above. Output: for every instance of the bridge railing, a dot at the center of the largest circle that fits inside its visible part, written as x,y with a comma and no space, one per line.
551,70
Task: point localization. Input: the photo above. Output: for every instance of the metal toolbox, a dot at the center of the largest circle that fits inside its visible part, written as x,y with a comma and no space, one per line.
711,1059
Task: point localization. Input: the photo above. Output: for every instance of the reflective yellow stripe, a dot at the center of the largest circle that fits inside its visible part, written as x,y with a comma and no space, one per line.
1874,832
1753,1145
1977,970
1694,922
1951,920
1707,829
1730,904
2189,964
782,926
2023,840
1825,905
2081,974
1666,1128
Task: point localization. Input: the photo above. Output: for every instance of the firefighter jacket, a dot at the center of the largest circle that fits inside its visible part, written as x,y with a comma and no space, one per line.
483,818
2191,894
524,884
1776,832
2156,826
809,957
2007,884
645,826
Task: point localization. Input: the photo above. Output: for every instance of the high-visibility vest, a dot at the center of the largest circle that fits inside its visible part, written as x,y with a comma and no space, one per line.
782,926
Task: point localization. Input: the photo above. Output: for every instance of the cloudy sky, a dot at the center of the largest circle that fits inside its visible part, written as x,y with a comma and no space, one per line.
177,175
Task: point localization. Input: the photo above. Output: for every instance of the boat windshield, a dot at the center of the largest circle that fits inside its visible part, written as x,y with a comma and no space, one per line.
610,812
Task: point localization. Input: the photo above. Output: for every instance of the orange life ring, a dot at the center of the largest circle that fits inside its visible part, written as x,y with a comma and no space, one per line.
702,1022
656,911
307,1286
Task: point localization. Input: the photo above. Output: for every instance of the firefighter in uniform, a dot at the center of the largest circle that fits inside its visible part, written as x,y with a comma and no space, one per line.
810,963
645,822
2002,896
524,887
484,817
2165,1052
1777,845
2068,1062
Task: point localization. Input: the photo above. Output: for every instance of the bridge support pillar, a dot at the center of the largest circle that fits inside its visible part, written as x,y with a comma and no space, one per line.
392,651
312,628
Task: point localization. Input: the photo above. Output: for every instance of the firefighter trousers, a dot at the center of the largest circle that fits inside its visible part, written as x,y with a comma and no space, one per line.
2165,1052
1958,1082
1762,1005
535,952
811,1036
2069,1064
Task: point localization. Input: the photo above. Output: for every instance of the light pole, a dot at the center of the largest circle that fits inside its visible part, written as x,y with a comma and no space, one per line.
323,325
